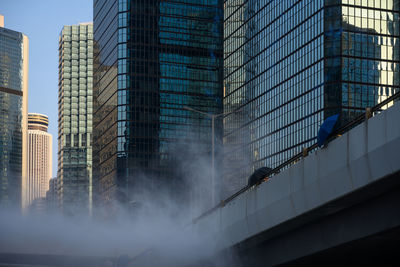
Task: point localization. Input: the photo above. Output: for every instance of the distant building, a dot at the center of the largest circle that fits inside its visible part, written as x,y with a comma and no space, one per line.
39,157
52,195
75,118
38,207
13,116
291,64
153,59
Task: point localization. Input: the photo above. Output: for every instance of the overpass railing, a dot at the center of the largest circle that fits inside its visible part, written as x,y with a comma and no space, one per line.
357,120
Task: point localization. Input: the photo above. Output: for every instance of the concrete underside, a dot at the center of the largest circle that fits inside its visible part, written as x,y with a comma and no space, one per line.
379,250
363,228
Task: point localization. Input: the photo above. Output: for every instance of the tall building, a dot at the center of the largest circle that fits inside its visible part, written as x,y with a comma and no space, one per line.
153,58
290,64
75,118
39,157
13,116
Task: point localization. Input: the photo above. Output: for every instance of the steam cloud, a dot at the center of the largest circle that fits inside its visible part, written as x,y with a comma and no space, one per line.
160,233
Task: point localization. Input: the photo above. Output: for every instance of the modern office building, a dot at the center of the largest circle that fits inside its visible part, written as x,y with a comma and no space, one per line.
290,64
13,116
153,58
75,118
39,157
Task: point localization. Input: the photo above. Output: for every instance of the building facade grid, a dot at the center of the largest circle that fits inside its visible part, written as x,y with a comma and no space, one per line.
13,117
152,59
290,64
75,118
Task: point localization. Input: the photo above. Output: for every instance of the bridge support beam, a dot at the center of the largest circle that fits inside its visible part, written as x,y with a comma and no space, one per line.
338,232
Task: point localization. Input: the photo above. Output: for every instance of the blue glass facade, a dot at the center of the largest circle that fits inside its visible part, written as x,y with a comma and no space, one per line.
290,64
11,116
152,58
369,55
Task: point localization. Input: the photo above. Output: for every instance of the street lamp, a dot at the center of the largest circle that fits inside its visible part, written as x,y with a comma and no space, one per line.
213,117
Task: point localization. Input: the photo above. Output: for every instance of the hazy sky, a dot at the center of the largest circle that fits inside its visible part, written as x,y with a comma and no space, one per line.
42,21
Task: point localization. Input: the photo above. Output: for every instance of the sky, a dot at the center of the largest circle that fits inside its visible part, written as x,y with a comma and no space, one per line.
42,21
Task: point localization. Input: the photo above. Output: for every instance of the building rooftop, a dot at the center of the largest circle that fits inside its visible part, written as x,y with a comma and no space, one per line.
37,121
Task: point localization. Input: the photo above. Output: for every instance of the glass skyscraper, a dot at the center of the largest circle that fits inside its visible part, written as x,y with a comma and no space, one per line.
13,116
153,58
75,118
290,64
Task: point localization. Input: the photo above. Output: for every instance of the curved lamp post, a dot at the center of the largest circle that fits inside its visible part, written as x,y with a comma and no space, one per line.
213,117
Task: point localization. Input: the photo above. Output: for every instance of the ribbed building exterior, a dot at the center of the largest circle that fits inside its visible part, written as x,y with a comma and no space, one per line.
291,64
153,58
14,53
39,157
75,118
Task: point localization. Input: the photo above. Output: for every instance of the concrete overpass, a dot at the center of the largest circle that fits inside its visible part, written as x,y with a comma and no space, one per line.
338,204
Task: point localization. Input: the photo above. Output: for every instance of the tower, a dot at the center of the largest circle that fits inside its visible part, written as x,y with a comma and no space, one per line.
14,53
75,118
39,157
